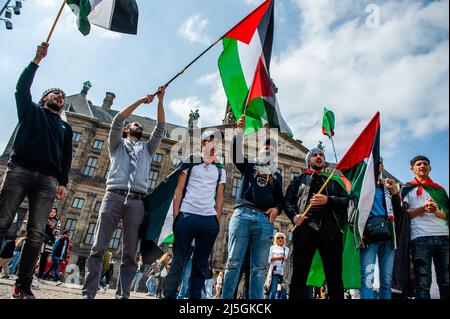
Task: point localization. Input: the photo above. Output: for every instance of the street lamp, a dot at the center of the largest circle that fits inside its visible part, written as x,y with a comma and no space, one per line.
8,14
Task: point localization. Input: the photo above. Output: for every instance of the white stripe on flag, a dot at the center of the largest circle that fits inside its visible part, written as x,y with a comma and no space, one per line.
167,228
249,57
102,12
367,195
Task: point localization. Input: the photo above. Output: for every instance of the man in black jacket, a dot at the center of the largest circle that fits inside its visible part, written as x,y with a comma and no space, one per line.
38,168
259,201
321,229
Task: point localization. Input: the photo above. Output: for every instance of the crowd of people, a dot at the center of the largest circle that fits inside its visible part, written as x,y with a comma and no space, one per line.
405,225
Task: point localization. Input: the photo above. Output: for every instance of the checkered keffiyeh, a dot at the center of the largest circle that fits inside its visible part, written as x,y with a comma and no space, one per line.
49,91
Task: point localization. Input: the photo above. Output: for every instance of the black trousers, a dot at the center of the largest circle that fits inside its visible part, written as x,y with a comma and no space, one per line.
329,241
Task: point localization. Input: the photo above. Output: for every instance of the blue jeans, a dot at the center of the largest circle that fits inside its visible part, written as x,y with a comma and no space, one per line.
247,226
136,280
386,256
204,230
151,285
183,293
40,190
14,262
54,269
276,279
426,250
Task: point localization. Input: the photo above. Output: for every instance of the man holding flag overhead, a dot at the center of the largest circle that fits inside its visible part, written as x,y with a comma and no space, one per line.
244,67
322,230
427,206
126,189
38,168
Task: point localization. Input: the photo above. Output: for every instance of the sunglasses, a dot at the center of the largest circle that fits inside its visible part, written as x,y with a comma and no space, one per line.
280,238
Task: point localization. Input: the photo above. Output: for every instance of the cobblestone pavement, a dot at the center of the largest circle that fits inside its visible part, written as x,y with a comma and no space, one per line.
49,290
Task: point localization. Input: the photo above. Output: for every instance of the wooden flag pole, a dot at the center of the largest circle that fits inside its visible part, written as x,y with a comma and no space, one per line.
320,192
56,21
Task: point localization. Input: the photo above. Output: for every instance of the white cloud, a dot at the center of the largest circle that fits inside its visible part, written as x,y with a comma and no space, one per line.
400,69
192,29
211,109
254,2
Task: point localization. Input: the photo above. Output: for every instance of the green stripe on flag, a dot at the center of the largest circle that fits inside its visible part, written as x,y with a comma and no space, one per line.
328,123
82,9
233,77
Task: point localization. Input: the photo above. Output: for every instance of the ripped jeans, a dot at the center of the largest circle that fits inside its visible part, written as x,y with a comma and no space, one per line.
248,227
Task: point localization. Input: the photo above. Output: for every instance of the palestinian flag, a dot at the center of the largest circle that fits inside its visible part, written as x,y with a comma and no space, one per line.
361,167
351,267
115,15
436,191
328,123
244,67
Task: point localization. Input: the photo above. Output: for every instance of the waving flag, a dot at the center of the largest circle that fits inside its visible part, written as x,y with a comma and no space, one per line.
360,166
115,15
328,123
244,67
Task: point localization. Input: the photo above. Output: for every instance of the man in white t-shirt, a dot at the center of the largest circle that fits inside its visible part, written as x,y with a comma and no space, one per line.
427,206
197,207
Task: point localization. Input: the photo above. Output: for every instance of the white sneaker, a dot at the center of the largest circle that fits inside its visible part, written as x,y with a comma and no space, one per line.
35,284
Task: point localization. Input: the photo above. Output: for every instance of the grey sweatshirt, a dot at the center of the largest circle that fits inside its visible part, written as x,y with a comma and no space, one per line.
119,172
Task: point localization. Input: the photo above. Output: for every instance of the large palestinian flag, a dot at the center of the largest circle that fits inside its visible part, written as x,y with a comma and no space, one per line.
115,15
360,166
244,67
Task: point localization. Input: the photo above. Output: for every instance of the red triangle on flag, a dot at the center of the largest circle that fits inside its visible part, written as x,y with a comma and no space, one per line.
261,86
245,30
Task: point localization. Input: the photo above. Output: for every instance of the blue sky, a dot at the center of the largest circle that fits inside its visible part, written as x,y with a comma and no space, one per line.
338,54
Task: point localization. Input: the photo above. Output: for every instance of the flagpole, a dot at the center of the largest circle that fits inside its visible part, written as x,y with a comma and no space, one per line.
190,64
320,192
209,48
334,150
56,21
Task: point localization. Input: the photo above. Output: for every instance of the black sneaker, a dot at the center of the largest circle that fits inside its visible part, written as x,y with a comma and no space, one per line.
22,293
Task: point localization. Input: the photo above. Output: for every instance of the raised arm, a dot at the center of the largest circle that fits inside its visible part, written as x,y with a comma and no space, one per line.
23,87
158,133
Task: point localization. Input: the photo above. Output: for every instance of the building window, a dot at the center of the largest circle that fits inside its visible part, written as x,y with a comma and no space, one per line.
89,240
78,203
76,137
71,224
152,179
158,158
97,206
236,183
115,240
98,145
91,165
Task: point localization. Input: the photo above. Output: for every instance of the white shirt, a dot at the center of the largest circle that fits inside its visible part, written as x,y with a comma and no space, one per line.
201,190
278,265
427,224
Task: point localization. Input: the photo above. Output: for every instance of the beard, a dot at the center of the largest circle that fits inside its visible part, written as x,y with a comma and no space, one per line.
135,133
55,107
317,167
